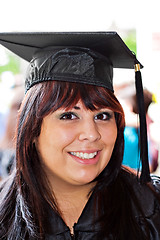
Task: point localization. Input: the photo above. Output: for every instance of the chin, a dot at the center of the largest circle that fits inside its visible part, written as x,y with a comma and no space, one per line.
83,180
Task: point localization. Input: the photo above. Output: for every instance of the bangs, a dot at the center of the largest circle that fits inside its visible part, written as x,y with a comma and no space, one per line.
56,94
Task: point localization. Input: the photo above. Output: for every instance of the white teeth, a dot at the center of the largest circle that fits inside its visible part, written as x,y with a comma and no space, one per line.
84,155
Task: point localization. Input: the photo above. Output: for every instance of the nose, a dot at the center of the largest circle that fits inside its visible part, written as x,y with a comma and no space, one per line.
89,131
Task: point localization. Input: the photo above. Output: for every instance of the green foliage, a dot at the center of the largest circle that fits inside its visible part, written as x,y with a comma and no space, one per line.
130,41
13,64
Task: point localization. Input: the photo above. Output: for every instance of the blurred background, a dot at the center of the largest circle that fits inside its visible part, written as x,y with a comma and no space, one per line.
137,22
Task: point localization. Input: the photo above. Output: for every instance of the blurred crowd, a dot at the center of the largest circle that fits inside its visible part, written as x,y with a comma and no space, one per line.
7,131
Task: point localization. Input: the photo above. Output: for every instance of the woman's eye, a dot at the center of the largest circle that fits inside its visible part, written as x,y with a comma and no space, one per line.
103,116
68,116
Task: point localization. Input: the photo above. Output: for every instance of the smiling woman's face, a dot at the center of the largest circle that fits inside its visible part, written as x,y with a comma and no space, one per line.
76,145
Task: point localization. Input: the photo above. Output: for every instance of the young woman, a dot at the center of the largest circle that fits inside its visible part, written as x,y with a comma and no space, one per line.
68,182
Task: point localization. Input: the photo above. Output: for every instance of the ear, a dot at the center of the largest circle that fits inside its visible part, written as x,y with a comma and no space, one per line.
35,141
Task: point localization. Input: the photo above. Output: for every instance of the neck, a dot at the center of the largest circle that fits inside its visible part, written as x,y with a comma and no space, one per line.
71,200
71,192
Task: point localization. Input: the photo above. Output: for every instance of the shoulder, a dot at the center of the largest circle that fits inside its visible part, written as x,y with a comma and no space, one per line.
147,196
132,179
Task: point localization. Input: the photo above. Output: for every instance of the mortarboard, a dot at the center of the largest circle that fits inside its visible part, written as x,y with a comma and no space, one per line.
86,57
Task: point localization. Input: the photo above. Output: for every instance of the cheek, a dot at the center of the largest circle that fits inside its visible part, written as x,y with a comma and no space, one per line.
63,137
109,138
109,135
56,139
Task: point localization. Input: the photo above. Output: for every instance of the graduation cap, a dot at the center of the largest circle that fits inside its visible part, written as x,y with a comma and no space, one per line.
84,57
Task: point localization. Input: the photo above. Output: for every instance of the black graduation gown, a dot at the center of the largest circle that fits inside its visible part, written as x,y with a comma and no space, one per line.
84,229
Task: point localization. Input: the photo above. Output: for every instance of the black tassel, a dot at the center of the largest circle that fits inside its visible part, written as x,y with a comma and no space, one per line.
145,174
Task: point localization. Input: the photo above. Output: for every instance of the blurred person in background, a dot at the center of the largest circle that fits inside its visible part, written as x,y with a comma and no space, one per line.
127,96
7,144
2,124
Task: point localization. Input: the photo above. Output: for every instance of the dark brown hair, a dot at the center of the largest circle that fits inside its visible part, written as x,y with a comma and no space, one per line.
30,181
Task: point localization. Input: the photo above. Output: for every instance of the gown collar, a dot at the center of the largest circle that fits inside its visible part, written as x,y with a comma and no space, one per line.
87,221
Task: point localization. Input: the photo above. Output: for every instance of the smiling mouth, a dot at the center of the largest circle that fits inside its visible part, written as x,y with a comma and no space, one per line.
82,155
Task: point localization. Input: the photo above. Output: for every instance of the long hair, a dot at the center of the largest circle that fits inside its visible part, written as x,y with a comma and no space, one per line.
28,187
